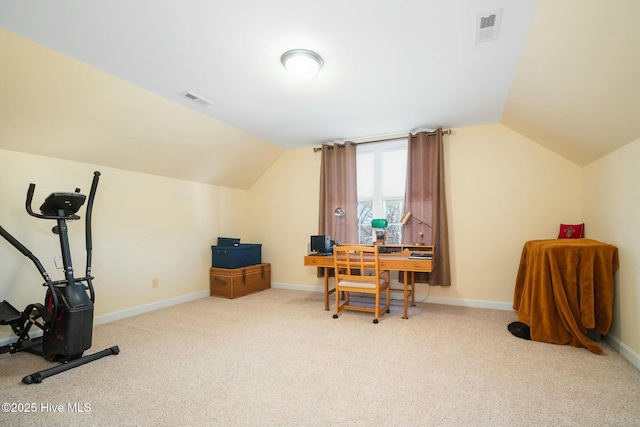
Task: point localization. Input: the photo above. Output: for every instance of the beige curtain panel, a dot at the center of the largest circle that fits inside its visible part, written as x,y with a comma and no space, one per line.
338,190
425,198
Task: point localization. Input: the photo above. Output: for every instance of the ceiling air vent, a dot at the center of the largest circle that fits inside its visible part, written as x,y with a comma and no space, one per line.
488,25
195,98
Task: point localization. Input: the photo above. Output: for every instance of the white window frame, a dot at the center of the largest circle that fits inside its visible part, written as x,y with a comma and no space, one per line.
378,200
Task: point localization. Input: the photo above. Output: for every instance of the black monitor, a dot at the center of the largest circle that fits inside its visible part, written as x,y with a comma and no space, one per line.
321,244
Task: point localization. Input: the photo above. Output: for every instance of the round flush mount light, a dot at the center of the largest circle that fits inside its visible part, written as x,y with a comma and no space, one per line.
302,64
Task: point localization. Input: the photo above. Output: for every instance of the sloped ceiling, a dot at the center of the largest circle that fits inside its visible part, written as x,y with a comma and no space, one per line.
577,86
99,82
55,106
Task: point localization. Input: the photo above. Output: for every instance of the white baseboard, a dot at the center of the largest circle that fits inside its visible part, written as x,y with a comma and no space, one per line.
496,305
624,350
134,311
475,303
35,334
314,288
129,312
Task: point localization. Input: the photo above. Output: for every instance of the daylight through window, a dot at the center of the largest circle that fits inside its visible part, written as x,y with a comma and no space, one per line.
382,175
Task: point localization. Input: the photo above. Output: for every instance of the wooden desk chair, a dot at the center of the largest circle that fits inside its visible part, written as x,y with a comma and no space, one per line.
357,269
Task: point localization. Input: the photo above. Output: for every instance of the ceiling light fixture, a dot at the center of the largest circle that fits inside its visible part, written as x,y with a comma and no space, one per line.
302,64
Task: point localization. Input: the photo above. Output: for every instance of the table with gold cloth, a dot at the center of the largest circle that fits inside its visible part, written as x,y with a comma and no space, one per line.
565,287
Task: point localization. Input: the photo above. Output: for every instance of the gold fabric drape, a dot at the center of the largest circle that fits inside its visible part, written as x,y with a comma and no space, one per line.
338,189
425,198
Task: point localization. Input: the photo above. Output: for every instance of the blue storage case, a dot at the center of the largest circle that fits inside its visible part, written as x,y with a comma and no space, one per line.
228,241
236,256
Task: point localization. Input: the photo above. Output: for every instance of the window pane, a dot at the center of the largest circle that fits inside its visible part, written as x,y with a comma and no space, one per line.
381,178
365,215
364,165
394,209
394,172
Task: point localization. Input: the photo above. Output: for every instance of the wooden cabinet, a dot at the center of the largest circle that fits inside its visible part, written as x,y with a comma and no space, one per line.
237,282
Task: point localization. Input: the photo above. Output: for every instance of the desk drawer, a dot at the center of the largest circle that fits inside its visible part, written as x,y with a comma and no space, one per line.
413,265
407,265
313,261
318,260
393,264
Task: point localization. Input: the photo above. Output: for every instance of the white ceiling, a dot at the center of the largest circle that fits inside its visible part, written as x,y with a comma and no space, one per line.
390,66
559,72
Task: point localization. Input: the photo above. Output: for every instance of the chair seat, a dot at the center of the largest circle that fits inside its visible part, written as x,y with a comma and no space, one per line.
357,284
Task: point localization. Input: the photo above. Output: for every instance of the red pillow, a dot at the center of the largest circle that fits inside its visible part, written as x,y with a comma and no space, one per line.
571,231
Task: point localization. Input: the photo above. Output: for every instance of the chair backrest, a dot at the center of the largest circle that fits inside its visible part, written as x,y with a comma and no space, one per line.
357,264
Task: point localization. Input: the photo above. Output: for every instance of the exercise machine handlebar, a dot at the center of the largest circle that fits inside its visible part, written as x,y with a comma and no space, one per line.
89,211
26,252
88,238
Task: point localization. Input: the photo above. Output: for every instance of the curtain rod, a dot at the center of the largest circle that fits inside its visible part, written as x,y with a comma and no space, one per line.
387,138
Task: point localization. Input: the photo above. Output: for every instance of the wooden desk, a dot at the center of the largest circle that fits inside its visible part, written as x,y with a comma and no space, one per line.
394,257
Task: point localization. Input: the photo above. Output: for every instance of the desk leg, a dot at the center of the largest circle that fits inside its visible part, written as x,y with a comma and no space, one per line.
406,283
326,289
413,289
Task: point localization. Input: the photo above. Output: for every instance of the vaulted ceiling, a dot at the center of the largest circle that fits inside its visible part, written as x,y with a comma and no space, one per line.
102,82
576,89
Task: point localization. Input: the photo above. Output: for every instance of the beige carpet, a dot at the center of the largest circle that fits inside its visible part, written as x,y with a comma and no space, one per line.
276,358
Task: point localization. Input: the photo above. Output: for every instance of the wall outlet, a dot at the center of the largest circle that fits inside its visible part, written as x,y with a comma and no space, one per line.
154,282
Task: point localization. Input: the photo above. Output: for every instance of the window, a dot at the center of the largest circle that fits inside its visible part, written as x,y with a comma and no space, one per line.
382,174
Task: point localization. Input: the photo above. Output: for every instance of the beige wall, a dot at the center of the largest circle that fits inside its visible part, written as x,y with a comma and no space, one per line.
611,210
144,227
285,203
503,190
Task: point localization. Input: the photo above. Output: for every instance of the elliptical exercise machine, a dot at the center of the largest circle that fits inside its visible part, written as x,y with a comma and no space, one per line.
66,317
